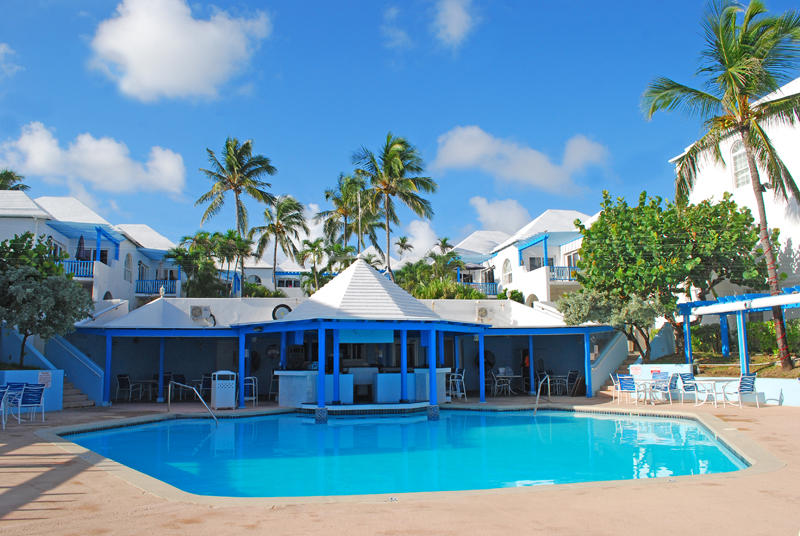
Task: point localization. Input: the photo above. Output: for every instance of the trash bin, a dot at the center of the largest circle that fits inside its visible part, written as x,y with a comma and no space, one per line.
223,389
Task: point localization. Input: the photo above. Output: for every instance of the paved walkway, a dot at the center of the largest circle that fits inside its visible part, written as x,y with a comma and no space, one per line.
45,490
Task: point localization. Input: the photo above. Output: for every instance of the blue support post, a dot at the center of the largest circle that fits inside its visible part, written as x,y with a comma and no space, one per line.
320,367
687,338
457,351
403,365
544,247
744,353
481,368
531,378
587,364
458,274
241,369
336,397
432,395
440,350
160,370
724,335
107,373
283,350
97,245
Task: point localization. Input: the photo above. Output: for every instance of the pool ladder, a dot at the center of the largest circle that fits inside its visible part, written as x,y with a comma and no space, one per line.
191,388
539,392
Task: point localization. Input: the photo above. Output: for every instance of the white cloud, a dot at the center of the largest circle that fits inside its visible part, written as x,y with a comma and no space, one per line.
502,215
422,237
7,65
394,36
453,22
103,163
155,48
470,147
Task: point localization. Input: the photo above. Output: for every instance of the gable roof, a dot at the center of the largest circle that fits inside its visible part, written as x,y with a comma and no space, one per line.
481,242
549,220
16,203
69,209
145,236
362,293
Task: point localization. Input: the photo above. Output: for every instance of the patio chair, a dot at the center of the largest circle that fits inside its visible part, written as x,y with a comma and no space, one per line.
274,385
177,390
501,385
664,384
566,383
13,393
626,384
688,385
3,391
205,385
32,397
251,390
745,386
456,383
124,383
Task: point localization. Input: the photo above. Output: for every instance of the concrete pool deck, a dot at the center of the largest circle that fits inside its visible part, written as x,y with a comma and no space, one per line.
47,489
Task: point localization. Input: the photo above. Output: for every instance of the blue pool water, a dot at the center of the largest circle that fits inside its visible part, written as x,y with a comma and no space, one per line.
289,455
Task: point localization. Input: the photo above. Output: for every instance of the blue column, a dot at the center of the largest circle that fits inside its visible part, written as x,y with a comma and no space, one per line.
432,395
587,364
283,350
97,246
160,370
458,274
241,369
457,351
336,396
440,350
744,353
107,374
403,365
544,247
481,369
687,338
320,367
531,377
724,335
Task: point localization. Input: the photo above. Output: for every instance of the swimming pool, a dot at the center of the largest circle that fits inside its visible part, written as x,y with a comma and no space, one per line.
288,455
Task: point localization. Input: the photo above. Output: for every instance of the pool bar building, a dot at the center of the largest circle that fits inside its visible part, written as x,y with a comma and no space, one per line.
359,339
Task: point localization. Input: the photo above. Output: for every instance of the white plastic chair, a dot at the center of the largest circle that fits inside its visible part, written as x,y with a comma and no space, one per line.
251,390
745,386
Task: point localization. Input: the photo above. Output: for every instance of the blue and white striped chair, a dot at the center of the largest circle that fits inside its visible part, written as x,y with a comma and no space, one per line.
688,385
3,391
664,384
32,397
745,386
626,384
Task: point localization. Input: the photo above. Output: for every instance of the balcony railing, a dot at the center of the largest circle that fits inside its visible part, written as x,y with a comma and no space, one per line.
79,268
490,289
563,273
153,286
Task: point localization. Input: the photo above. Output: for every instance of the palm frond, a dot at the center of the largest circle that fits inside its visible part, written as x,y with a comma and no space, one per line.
666,94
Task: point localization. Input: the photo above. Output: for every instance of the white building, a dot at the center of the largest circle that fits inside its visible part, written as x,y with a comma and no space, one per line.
714,179
111,262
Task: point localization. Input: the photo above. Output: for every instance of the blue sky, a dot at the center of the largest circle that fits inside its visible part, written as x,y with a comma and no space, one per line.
516,106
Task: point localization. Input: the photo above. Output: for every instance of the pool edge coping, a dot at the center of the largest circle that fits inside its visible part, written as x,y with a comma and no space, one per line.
759,459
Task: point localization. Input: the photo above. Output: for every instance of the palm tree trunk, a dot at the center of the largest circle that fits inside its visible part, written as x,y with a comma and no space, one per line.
344,233
769,254
388,237
240,230
275,265
316,281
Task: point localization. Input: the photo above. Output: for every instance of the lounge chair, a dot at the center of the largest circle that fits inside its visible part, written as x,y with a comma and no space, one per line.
32,398
124,384
745,386
664,383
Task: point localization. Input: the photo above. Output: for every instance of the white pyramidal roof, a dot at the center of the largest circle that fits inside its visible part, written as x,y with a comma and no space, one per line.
549,220
362,293
482,242
15,203
146,236
69,209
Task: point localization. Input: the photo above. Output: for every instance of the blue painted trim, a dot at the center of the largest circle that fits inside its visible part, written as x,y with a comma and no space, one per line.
433,398
160,370
336,396
532,241
456,351
587,364
544,246
724,335
531,367
569,330
403,365
242,343
321,367
481,368
744,352
149,332
440,349
283,350
687,338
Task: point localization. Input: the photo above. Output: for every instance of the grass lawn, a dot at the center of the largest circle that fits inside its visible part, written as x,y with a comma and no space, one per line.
711,364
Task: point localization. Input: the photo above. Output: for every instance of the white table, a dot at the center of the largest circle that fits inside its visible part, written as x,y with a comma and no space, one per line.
708,388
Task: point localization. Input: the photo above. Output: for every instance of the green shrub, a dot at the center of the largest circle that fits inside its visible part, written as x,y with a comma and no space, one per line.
760,337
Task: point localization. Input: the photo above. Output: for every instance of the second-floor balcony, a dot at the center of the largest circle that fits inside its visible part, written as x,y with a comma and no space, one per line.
563,273
490,289
151,287
80,269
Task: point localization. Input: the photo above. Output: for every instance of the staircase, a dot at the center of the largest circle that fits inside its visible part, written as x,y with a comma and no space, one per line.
623,369
74,397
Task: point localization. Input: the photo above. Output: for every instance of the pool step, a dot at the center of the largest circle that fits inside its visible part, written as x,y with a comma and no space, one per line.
74,397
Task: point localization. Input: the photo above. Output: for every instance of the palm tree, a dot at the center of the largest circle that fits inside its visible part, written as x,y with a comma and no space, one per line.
444,245
368,223
240,173
744,60
345,208
393,174
313,250
226,248
9,180
284,220
372,260
339,256
403,245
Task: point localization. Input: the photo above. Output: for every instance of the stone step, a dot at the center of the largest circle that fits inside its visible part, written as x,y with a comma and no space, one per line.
74,397
77,404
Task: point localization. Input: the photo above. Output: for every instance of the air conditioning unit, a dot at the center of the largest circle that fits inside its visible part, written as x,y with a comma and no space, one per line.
483,312
200,312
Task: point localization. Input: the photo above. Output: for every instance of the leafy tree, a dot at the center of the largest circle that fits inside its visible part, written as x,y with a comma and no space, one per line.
339,256
284,220
12,181
394,173
198,256
748,55
345,208
403,245
514,295
444,266
314,251
239,172
254,290
372,260
444,244
35,294
446,289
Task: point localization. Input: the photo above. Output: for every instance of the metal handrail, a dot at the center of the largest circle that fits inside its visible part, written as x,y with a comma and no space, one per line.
200,398
80,358
539,392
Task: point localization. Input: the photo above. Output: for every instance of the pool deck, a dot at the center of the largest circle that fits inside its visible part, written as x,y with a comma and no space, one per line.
47,489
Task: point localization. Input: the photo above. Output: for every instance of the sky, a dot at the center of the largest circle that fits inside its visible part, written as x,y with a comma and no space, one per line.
515,106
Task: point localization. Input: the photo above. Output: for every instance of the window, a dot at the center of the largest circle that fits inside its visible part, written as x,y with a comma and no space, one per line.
507,272
128,268
537,262
572,259
143,271
103,256
289,283
741,171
